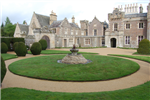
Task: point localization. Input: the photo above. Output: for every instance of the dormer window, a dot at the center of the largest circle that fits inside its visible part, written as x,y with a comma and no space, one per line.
115,27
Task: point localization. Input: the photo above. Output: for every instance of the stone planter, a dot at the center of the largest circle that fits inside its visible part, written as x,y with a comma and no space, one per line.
74,51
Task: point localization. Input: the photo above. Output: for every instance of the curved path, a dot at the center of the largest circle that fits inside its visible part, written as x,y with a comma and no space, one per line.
140,77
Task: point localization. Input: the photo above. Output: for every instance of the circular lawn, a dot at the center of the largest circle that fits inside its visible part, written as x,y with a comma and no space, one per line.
101,68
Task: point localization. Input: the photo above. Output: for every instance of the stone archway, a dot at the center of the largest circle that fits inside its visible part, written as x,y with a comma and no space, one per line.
48,41
113,42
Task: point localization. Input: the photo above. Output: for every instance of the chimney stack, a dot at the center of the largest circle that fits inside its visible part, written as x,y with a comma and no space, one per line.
53,17
141,9
73,19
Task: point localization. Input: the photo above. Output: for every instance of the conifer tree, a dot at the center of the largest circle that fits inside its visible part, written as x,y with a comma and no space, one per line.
24,22
7,21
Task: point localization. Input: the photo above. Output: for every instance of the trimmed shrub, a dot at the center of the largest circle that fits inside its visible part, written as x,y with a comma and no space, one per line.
21,49
7,41
3,69
14,45
11,40
43,44
36,48
4,48
144,47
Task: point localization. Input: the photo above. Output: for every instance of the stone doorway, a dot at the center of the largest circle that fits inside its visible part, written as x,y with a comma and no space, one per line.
48,41
113,42
65,42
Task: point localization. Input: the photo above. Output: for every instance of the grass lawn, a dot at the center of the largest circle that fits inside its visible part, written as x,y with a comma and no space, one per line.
102,68
140,92
139,54
127,48
143,58
80,47
60,52
8,56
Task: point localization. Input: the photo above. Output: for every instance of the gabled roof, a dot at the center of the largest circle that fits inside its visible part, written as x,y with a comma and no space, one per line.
23,27
135,15
74,25
55,24
43,20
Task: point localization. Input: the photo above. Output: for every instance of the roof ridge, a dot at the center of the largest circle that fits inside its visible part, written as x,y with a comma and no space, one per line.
42,15
23,24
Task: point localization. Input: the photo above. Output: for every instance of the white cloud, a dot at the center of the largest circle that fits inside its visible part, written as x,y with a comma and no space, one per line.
18,11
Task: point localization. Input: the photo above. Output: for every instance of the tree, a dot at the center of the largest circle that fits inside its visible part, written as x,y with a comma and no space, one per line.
7,22
2,30
24,22
9,30
2,25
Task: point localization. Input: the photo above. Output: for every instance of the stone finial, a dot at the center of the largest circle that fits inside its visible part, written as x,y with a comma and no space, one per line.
52,12
74,47
73,17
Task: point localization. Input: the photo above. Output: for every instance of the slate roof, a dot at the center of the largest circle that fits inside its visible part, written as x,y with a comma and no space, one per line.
55,24
136,15
74,25
43,20
105,23
23,27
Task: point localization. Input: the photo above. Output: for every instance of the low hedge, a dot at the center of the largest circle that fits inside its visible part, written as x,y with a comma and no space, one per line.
3,69
4,48
11,40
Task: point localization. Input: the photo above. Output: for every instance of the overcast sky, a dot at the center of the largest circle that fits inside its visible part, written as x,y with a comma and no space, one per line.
18,11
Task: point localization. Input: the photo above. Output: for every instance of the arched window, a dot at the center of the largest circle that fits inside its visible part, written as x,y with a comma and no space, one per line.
115,27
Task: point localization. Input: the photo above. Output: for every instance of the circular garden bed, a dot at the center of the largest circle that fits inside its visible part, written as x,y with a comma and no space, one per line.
101,68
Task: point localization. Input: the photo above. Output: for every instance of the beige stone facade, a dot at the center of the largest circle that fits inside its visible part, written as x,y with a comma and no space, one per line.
125,29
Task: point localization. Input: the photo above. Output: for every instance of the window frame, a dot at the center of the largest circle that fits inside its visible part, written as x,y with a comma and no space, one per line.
129,26
87,41
115,29
141,25
127,40
94,32
140,39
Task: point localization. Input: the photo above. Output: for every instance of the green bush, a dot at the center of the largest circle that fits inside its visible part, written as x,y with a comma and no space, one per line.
3,69
144,47
4,48
7,41
21,49
14,45
36,48
11,40
43,44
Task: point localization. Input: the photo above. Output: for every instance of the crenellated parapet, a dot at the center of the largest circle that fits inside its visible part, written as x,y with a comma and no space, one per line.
116,15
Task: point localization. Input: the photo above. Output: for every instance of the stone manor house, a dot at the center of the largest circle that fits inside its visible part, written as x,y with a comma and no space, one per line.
125,29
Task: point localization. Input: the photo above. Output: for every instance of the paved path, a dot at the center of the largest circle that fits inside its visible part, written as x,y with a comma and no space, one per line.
140,77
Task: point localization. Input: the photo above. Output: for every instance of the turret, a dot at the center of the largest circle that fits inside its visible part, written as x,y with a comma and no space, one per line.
53,17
